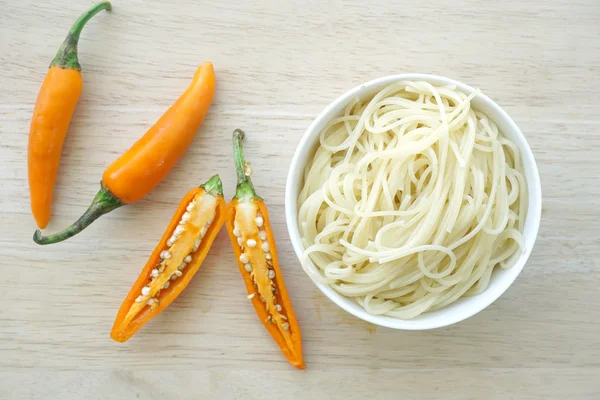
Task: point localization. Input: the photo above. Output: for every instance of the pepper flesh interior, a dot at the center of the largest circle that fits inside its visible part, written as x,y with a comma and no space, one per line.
260,259
201,212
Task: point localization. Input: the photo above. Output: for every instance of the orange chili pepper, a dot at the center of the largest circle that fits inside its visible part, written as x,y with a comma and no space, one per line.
52,115
151,158
175,259
254,247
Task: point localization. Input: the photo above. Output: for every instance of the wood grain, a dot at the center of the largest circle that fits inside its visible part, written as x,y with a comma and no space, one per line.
278,64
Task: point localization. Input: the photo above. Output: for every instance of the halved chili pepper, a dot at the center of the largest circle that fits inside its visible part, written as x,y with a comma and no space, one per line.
254,247
52,115
175,259
134,174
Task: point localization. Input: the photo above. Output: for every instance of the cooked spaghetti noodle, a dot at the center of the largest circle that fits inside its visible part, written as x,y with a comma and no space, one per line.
410,201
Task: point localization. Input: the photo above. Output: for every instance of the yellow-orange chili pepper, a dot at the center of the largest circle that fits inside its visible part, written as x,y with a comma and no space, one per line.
254,247
176,258
151,158
52,115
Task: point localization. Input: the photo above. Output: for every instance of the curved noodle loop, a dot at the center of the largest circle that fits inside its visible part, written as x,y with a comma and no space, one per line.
411,200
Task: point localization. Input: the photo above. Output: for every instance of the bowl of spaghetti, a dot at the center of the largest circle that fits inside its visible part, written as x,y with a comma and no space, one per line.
413,201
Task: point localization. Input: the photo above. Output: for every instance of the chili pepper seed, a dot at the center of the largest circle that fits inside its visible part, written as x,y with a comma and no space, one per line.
262,234
259,221
237,232
271,274
247,169
265,246
187,259
244,258
145,291
248,267
285,326
251,243
165,254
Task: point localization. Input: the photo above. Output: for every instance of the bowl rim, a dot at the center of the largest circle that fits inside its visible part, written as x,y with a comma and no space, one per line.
533,213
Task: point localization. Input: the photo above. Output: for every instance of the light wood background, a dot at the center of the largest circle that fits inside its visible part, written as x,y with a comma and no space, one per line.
278,64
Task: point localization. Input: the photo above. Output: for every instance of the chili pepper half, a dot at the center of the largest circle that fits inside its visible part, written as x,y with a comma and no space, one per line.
134,174
175,259
52,115
254,247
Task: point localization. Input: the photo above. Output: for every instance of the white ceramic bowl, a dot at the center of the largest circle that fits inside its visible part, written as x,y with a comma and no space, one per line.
501,279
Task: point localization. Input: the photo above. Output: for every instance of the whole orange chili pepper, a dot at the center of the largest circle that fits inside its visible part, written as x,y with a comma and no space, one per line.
52,115
134,174
254,247
175,259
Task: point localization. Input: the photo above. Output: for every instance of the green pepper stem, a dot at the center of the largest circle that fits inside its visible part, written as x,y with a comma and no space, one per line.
213,186
103,203
245,189
66,57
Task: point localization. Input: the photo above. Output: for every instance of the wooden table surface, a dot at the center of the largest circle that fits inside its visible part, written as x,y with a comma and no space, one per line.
278,64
